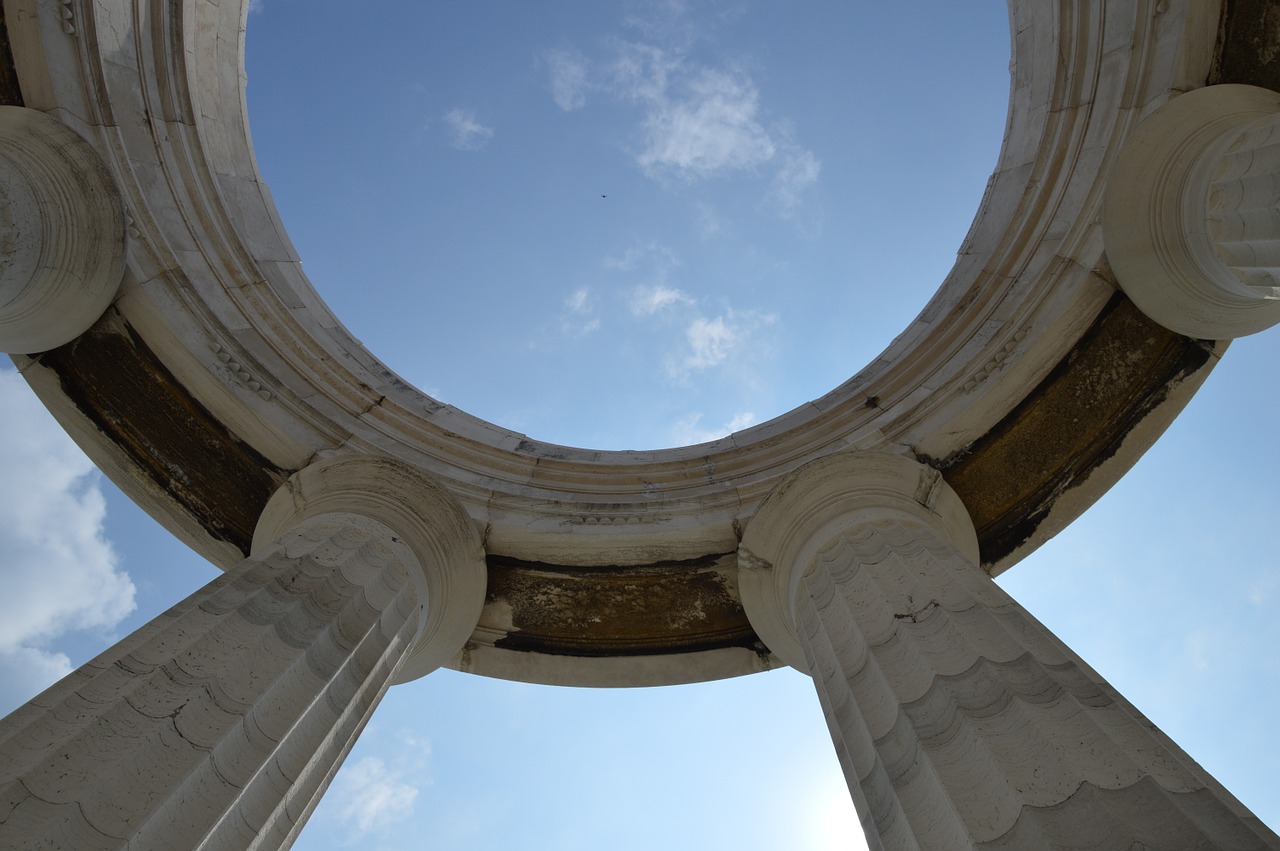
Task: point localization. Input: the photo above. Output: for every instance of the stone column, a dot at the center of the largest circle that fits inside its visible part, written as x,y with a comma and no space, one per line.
220,723
959,720
1191,220
62,233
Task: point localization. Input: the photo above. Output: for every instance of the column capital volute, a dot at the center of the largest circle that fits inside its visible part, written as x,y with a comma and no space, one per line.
62,233
812,507
1191,217
418,513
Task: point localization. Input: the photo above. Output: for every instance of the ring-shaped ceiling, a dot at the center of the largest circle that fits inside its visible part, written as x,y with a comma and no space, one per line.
219,370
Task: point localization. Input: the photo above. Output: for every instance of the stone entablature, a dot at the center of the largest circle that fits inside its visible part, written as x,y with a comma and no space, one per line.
216,323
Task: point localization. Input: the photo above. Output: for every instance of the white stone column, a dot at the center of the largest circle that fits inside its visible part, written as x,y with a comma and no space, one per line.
62,233
959,720
221,722
1192,215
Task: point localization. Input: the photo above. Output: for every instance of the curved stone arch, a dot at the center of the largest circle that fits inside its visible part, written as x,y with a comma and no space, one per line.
219,322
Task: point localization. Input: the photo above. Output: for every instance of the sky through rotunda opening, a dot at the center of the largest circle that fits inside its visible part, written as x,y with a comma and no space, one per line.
627,226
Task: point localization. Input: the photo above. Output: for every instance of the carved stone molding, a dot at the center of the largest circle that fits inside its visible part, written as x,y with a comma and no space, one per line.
62,231
816,504
445,545
1192,214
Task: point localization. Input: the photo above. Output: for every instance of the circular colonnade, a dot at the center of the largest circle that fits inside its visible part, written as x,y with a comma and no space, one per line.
1121,242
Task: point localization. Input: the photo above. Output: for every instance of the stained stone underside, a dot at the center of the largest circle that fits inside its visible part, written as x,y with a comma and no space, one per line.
220,723
960,721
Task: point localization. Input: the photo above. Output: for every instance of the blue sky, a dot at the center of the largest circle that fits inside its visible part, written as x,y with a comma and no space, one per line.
786,186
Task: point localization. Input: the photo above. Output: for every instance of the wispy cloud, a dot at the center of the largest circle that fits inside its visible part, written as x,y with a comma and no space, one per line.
706,128
580,314
710,222
703,340
51,525
652,257
568,71
646,301
697,121
710,342
689,430
1265,587
653,263
798,173
374,795
465,131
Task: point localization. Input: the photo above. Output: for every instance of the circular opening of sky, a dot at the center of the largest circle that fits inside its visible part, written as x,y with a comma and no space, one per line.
633,225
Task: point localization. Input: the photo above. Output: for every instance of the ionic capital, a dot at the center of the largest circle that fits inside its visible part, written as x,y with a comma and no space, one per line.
412,515
62,231
1191,219
822,500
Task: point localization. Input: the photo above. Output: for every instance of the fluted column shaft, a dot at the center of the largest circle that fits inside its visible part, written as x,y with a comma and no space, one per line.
959,720
1243,206
965,723
218,724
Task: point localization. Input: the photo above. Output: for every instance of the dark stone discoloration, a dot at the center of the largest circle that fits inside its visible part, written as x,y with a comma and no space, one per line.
1120,371
668,607
1248,44
116,381
10,92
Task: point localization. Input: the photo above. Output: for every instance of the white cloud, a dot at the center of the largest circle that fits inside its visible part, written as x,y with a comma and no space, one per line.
568,71
642,72
373,796
709,342
61,574
579,319
255,6
688,430
707,129
647,301
799,172
712,341
577,302
697,121
467,133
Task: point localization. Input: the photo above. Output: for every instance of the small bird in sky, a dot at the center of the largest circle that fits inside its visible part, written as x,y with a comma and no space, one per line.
604,196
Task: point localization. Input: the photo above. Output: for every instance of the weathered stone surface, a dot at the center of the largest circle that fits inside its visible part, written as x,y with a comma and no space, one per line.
614,611
1076,420
118,383
207,721
960,721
